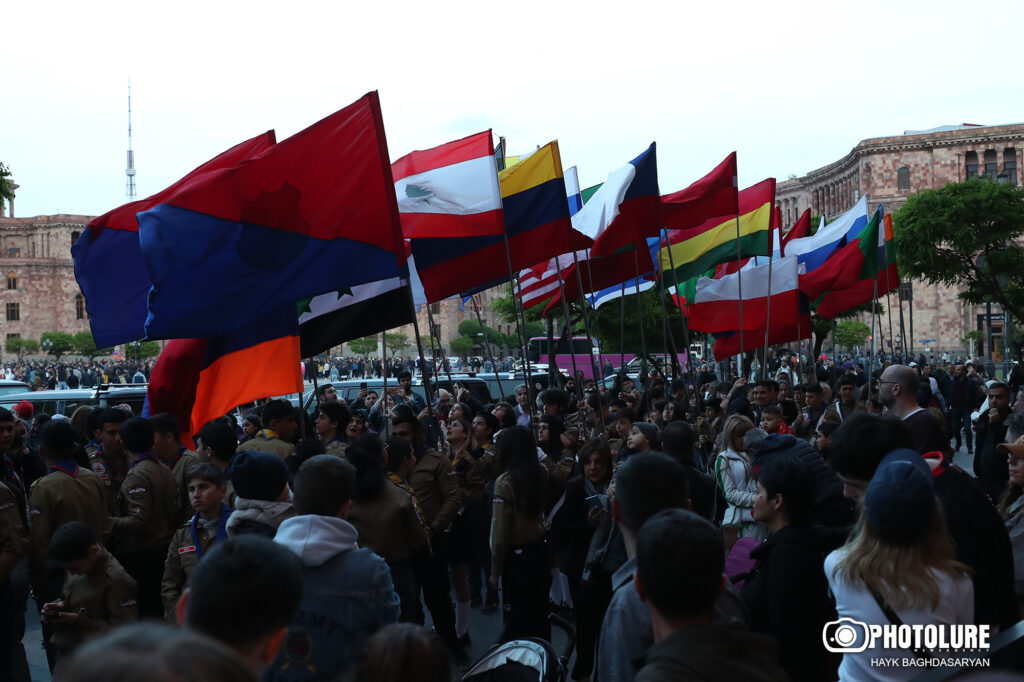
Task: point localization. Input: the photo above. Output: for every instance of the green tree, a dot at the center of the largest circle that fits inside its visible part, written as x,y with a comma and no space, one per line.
22,347
396,342
6,188
461,346
84,344
363,346
969,236
149,349
507,307
471,329
850,333
56,343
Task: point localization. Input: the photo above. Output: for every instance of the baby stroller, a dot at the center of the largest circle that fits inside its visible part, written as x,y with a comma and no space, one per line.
524,660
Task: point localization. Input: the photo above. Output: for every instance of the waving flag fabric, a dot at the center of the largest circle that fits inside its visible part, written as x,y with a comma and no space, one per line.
450,191
815,250
695,250
848,264
716,307
312,214
712,196
728,344
197,380
877,276
572,191
608,294
626,209
331,319
536,223
108,258
800,229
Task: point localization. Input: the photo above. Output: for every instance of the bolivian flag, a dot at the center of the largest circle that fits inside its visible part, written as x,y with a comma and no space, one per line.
694,251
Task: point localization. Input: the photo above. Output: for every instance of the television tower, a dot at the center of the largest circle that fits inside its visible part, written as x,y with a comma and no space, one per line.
129,186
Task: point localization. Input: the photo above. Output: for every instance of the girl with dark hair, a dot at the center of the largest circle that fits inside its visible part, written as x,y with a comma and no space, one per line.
485,460
387,516
519,551
549,435
470,472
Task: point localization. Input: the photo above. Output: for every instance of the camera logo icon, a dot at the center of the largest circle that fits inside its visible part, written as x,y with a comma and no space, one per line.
845,636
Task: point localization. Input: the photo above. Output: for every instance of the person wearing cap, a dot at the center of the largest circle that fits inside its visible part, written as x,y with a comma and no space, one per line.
899,560
263,501
145,524
98,593
279,426
24,409
1011,508
207,487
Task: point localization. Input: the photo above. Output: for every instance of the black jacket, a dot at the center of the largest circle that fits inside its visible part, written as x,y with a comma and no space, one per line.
830,509
787,597
989,467
713,653
571,532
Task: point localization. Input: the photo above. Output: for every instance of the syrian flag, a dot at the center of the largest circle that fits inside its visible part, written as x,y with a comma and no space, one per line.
329,320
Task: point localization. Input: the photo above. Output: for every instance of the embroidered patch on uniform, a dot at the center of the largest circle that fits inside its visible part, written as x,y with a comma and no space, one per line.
126,603
185,550
98,468
6,505
35,511
137,493
499,500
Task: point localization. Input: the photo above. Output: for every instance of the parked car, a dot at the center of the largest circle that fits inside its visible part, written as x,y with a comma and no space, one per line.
67,401
11,386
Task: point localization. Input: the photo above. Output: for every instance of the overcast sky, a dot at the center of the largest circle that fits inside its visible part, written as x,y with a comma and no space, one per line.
790,86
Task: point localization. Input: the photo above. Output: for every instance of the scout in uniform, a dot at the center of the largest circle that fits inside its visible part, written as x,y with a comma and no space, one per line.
108,460
145,524
280,426
216,443
207,488
169,449
98,593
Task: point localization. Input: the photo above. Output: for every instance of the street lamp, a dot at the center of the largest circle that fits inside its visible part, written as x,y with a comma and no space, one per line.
47,345
134,346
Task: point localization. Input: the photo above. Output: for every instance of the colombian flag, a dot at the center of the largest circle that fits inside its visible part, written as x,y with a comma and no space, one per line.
312,214
537,227
698,249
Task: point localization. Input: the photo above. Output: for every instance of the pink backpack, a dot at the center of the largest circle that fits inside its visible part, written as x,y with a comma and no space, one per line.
738,564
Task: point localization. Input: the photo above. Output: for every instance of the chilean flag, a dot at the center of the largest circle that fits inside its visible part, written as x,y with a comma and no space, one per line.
450,191
108,258
312,214
626,209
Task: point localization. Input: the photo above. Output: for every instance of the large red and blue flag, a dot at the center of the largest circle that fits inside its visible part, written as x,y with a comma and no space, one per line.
108,259
312,214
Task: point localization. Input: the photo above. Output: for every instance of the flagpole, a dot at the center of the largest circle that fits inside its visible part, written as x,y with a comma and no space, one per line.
568,327
487,346
903,328
682,314
622,328
586,315
768,314
437,335
739,285
670,341
384,388
528,379
639,310
874,316
421,358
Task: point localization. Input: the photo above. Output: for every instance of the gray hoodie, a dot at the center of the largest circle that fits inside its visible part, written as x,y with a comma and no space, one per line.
316,538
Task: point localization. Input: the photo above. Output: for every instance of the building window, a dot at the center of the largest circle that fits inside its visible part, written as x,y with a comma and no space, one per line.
972,165
14,336
13,252
435,308
903,179
13,312
12,280
1010,166
74,237
991,166
79,307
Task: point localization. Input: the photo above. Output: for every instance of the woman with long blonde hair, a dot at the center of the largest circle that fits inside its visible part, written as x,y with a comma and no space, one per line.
898,566
734,473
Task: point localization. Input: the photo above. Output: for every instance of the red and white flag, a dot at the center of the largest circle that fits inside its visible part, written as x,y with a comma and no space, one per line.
716,307
540,282
450,191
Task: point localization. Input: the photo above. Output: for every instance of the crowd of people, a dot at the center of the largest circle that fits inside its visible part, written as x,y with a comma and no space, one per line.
70,374
688,528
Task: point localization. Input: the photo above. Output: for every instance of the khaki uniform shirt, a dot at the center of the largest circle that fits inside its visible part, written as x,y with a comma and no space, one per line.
437,488
107,594
179,468
509,526
266,440
111,473
58,498
473,481
182,557
147,507
389,525
13,534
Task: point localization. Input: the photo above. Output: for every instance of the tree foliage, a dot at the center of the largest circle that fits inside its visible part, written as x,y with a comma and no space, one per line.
363,346
85,345
507,308
6,188
148,349
968,236
461,346
396,342
850,333
56,343
21,347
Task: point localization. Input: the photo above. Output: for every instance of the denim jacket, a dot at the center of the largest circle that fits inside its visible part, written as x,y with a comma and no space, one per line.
347,597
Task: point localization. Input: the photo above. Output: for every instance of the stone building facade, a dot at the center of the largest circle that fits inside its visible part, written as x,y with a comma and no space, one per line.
888,170
39,292
447,315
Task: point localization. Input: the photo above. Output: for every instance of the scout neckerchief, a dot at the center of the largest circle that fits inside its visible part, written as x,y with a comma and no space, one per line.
144,455
181,453
267,434
222,529
401,483
68,466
